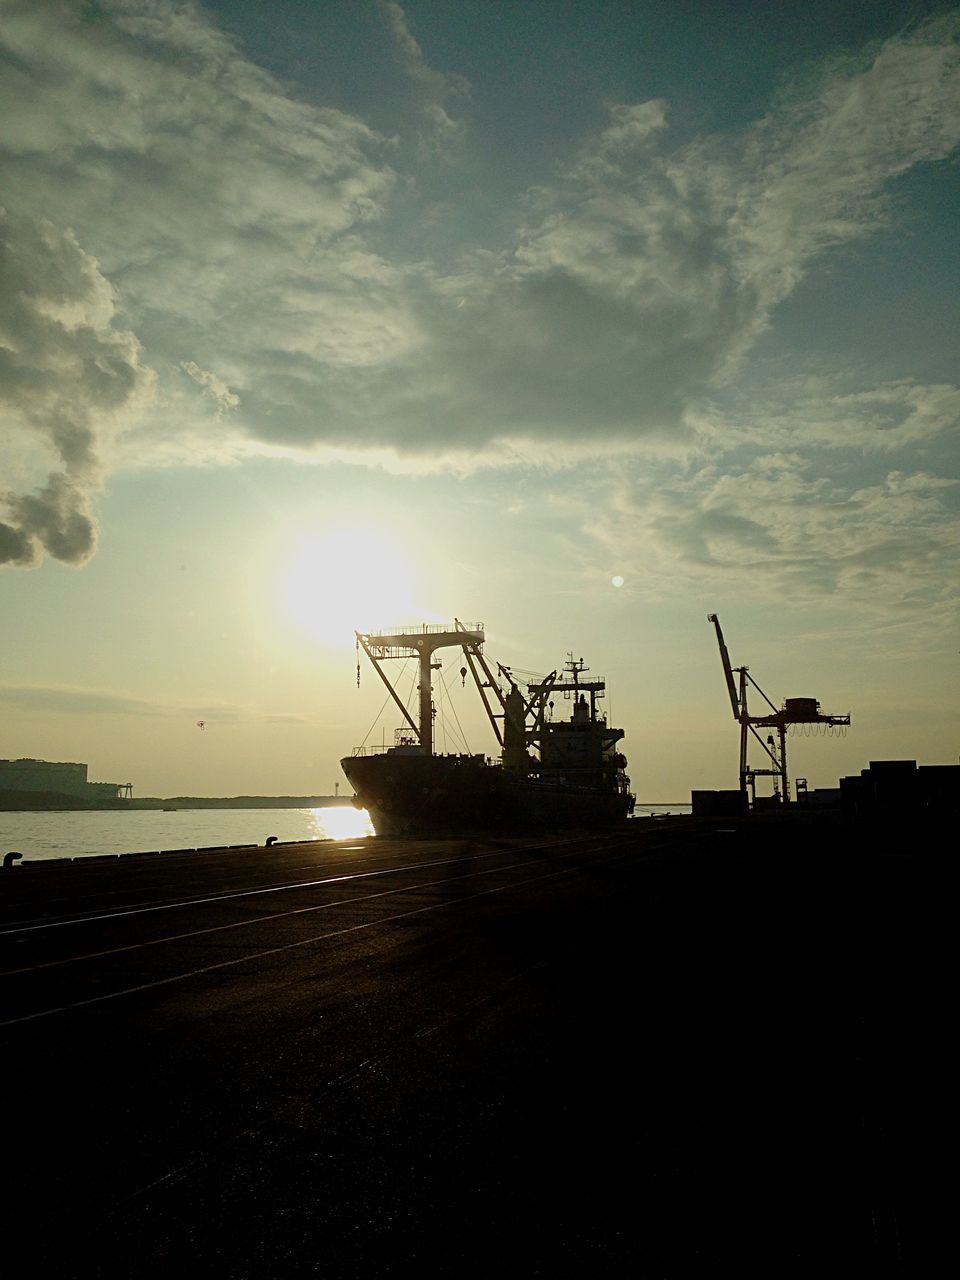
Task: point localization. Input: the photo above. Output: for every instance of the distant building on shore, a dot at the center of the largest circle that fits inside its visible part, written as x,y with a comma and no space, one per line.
59,778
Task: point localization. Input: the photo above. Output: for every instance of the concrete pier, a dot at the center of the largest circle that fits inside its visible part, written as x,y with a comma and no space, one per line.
679,1048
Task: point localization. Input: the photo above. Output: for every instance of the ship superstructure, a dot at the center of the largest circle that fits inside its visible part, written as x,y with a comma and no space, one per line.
559,772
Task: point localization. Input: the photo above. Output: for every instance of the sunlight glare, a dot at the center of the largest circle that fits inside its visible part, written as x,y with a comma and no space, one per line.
349,579
342,822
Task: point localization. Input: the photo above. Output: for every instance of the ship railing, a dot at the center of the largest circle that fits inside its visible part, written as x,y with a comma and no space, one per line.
380,750
420,629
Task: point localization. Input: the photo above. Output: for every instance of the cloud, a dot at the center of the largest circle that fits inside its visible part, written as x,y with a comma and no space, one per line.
79,701
216,388
57,518
781,527
195,193
817,167
658,269
248,234
809,496
641,279
808,412
65,698
68,381
438,89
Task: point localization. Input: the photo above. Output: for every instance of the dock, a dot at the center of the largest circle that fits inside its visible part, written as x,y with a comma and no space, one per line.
666,1049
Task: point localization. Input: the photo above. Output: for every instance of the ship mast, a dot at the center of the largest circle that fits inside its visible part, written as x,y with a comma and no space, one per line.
421,643
570,682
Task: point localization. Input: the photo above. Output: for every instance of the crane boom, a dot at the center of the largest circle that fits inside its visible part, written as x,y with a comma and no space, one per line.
727,669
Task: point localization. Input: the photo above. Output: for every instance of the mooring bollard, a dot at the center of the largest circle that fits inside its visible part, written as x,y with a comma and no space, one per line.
10,858
269,841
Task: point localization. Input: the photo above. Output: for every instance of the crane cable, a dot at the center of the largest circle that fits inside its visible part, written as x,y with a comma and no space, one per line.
452,706
376,719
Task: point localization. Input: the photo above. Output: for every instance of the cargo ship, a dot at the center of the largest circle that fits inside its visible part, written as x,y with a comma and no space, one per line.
551,772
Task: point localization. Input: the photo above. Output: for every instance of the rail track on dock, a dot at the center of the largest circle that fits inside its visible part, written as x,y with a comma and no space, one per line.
67,960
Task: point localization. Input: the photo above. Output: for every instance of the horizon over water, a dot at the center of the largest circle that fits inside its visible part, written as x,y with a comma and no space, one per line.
42,835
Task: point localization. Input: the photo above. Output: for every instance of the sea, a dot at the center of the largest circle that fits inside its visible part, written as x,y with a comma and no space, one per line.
40,836
665,810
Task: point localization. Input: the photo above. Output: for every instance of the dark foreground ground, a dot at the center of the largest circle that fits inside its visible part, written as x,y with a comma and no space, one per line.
685,1052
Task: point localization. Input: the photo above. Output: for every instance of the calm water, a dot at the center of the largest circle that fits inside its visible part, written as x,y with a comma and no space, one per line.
653,810
71,835
74,835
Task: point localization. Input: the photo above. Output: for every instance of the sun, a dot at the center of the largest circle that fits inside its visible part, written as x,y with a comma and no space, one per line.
347,579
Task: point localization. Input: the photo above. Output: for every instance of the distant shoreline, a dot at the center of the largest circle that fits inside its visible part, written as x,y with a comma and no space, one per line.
45,802
240,802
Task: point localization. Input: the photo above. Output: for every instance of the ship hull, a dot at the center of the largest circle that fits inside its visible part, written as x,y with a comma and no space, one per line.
443,796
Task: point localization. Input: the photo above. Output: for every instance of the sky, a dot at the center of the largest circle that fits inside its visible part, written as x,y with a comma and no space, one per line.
581,320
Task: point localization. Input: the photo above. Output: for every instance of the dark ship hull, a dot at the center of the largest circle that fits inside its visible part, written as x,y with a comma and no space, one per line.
442,796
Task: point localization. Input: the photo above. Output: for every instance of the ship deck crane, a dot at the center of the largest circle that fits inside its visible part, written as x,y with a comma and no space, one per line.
420,643
794,711
509,722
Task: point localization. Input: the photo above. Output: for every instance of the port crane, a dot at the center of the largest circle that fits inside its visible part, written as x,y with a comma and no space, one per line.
794,711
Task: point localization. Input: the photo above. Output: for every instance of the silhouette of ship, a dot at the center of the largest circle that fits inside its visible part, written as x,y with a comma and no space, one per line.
555,773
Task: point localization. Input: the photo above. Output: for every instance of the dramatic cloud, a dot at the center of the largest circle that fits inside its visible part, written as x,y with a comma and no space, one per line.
67,381
644,278
188,184
56,518
658,269
248,234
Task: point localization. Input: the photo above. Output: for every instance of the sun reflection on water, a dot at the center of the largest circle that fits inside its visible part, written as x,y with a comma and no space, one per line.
341,822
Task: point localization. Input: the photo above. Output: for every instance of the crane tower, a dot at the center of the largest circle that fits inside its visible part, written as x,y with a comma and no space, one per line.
795,711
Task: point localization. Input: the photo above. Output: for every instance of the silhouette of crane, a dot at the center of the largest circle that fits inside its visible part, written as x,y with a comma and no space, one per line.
795,711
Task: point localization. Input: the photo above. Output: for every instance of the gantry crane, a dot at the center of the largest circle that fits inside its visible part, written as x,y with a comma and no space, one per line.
795,711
